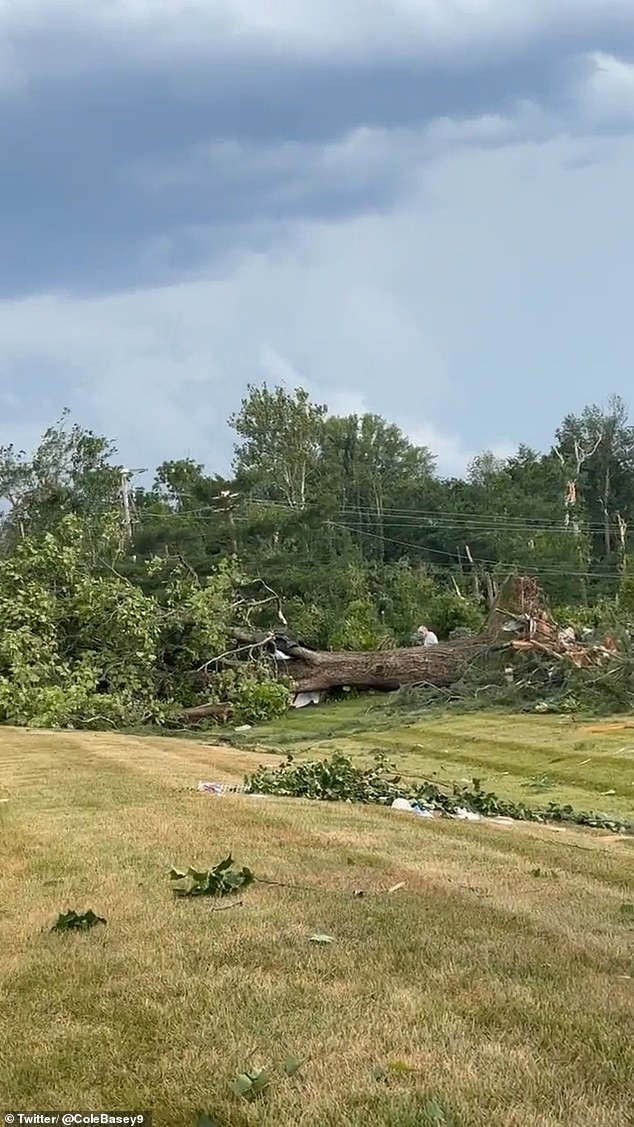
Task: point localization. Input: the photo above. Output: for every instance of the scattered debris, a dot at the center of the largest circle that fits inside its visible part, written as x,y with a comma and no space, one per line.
596,728
255,1082
465,815
75,921
322,940
412,808
249,1085
292,1066
396,887
220,788
218,712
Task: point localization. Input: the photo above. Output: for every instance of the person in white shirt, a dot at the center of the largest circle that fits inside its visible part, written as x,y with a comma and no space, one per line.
427,636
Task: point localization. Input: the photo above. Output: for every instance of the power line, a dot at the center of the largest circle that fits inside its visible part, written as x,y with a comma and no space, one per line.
492,563
149,516
422,549
486,520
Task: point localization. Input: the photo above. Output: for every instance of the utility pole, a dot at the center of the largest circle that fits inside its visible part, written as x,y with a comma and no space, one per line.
126,478
226,505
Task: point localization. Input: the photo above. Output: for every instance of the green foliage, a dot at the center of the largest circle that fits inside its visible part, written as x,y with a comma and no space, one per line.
360,628
252,1084
224,879
280,435
626,595
69,473
255,697
402,592
605,616
339,780
311,622
291,1066
342,516
82,646
66,631
75,921
329,780
447,611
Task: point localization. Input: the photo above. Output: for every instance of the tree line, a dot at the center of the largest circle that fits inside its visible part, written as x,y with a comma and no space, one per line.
339,525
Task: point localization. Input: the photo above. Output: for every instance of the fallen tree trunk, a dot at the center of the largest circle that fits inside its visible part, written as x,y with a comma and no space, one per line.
319,670
312,671
220,712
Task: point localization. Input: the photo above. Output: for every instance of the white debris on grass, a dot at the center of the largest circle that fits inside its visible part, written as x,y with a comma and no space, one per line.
466,815
300,700
220,788
412,808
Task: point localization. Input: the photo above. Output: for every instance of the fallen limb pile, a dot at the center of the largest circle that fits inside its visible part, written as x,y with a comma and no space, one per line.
340,780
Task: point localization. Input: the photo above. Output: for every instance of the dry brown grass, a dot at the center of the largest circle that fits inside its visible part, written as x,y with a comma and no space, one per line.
503,994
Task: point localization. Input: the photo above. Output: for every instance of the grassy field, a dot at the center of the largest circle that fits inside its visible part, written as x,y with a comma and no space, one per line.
494,989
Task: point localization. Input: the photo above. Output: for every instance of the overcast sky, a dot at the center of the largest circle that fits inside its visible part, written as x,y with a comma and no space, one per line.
421,208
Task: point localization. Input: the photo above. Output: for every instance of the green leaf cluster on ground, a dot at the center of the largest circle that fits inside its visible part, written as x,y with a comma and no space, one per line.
223,879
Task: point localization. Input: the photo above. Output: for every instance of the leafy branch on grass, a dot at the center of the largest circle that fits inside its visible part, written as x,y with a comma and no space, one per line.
254,1082
338,779
224,879
73,921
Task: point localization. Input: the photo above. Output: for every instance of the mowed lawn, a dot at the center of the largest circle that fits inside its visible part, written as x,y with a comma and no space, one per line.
494,988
